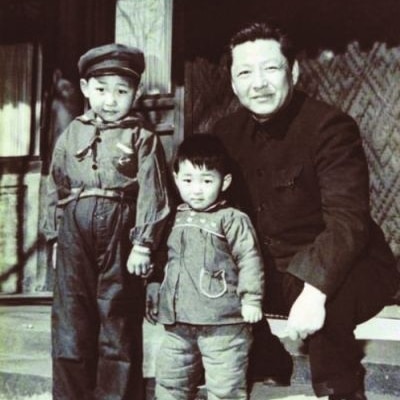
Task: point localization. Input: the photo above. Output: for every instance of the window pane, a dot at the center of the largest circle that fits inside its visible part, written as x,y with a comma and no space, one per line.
16,73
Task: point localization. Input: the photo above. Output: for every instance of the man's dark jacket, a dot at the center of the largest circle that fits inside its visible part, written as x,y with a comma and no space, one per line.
304,181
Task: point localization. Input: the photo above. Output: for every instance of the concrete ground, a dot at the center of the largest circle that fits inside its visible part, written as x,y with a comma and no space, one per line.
25,364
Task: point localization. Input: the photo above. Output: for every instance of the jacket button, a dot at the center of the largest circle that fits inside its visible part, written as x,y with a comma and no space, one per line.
259,172
268,240
261,207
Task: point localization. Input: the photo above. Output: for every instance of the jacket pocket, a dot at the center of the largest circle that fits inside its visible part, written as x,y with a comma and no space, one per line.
212,283
290,197
288,178
125,161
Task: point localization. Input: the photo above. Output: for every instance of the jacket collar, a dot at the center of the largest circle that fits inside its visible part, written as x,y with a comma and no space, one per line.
130,120
277,127
214,207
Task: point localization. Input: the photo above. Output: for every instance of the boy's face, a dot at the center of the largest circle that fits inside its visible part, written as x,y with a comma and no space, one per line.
200,187
110,96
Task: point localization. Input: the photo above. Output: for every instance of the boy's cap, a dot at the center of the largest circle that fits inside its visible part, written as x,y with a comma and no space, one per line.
112,58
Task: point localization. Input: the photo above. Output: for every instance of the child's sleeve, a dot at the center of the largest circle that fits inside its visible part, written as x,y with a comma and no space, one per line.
55,182
247,255
153,203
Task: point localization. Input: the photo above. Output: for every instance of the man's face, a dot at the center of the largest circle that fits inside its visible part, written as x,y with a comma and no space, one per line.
110,96
261,77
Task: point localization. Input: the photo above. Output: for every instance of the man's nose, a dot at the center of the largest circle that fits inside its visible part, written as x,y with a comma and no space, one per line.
260,79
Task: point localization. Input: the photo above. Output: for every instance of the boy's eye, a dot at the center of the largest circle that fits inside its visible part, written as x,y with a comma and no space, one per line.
208,180
122,91
100,89
187,180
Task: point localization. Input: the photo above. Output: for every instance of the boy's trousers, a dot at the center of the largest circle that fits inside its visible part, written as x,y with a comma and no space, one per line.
98,307
221,349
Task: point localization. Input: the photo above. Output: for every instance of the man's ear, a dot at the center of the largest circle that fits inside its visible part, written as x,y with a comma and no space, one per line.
295,72
226,182
84,87
233,87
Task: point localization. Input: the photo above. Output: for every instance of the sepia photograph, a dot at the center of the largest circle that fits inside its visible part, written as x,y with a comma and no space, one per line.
199,199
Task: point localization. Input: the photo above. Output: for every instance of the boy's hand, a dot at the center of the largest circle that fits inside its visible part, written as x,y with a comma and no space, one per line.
152,298
139,263
251,314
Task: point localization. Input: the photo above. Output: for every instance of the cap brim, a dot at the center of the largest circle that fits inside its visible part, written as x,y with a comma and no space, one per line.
112,71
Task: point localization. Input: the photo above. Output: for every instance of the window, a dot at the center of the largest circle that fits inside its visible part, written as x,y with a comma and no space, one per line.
20,86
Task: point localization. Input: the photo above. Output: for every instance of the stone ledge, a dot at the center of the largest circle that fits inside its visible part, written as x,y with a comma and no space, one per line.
27,369
14,385
380,379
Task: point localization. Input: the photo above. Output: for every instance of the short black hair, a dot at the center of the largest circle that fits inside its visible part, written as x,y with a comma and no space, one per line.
203,150
267,30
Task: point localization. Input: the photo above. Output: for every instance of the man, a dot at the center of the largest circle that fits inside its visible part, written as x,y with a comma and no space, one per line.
306,177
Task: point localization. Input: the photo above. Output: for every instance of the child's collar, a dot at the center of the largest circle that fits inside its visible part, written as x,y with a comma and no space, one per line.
89,117
213,207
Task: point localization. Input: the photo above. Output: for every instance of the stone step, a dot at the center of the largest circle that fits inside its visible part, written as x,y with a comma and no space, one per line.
379,337
25,364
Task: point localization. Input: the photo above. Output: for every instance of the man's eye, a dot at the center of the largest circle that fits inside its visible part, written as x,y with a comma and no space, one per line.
100,89
245,72
272,68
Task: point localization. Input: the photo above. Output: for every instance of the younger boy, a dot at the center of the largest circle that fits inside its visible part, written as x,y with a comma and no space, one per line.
108,179
213,284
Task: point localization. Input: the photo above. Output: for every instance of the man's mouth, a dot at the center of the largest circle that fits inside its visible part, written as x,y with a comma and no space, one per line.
263,97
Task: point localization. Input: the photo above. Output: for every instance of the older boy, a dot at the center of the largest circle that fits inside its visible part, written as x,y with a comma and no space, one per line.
108,179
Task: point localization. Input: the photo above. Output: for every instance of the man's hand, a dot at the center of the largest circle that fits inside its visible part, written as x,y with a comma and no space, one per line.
307,314
152,298
251,314
139,263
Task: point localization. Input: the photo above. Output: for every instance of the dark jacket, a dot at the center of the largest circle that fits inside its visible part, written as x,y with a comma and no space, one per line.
304,181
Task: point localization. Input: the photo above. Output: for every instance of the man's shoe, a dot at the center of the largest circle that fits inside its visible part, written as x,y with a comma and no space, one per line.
271,380
276,381
357,395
